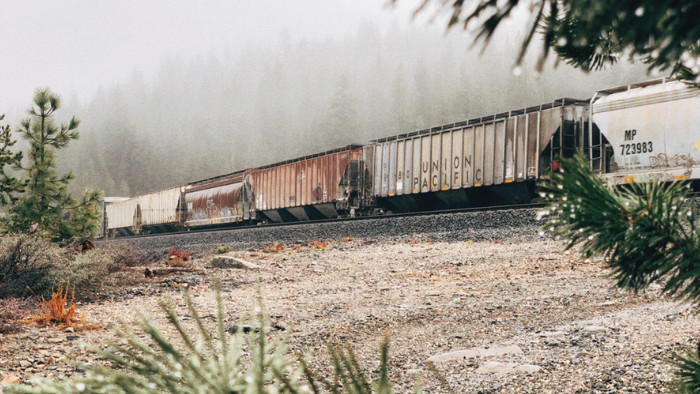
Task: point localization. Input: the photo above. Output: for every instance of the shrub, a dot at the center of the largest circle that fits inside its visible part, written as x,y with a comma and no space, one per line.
26,262
223,249
33,265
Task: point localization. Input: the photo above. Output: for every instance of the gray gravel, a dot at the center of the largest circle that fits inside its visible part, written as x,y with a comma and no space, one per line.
505,226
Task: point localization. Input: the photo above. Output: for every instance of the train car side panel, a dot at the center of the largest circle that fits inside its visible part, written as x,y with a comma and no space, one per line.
400,166
499,152
479,155
489,152
446,161
510,151
416,168
520,148
456,159
468,157
393,157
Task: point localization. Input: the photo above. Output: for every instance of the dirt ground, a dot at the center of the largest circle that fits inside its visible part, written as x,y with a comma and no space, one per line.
492,317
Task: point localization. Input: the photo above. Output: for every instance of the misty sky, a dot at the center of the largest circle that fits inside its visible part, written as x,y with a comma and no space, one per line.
74,46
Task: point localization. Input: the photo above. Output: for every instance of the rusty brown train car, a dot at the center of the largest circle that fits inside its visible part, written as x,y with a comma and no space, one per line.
219,200
324,185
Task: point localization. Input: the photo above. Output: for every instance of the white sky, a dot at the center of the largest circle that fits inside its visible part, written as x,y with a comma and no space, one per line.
74,46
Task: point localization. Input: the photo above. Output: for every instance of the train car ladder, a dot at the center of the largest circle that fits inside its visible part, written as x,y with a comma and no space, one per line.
596,149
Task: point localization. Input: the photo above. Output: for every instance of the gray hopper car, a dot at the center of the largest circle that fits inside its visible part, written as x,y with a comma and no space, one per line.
471,163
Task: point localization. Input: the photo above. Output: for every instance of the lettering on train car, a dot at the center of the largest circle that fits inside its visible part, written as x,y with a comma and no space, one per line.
477,175
416,182
455,178
435,180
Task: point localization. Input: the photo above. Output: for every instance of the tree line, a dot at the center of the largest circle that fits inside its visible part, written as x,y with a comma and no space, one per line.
211,115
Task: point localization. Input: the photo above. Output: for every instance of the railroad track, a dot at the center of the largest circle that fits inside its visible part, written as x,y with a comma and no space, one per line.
336,220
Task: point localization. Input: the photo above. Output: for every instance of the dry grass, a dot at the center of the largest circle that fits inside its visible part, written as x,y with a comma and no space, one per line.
319,245
178,258
61,310
276,247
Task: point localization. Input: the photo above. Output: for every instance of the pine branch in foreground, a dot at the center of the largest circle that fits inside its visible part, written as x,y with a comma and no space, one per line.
646,232
687,371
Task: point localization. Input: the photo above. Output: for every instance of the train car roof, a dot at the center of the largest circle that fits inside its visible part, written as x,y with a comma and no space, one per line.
328,152
474,121
108,200
217,177
623,88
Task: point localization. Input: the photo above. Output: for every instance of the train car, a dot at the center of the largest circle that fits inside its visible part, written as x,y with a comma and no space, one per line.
482,161
219,200
159,211
324,185
103,203
653,129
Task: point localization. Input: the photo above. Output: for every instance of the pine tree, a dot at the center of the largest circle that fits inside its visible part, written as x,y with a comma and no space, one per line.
47,199
647,232
9,185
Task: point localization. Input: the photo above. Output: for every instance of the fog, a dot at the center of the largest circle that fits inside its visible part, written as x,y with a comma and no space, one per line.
169,93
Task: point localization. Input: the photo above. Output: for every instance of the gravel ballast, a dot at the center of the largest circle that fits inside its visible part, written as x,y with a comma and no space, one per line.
506,225
496,312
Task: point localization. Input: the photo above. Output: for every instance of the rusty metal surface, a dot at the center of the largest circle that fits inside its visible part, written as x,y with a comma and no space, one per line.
304,181
225,199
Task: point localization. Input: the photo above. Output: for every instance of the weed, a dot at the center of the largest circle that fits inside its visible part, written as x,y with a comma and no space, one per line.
60,309
319,245
179,258
223,249
276,247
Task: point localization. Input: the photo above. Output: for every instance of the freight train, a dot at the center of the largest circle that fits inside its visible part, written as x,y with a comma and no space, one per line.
629,133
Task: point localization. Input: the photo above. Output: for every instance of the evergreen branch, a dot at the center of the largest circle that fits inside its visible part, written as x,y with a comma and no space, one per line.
646,232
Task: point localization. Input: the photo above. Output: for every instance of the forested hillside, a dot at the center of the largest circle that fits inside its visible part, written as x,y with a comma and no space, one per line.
199,117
